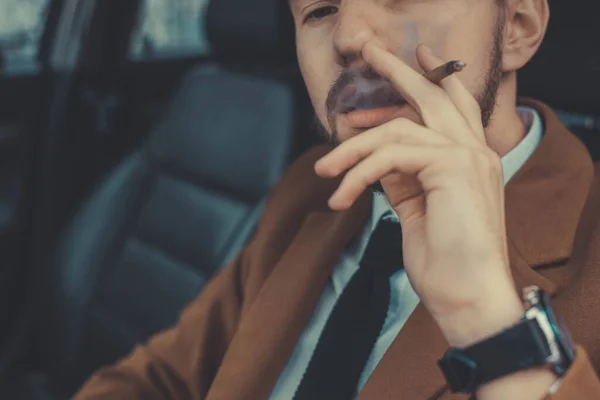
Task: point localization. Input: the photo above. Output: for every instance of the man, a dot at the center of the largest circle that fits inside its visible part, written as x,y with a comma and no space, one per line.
330,300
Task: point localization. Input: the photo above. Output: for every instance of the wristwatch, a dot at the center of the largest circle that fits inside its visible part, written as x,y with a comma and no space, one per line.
539,339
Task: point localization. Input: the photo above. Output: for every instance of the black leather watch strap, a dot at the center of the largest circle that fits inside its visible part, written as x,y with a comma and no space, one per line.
520,347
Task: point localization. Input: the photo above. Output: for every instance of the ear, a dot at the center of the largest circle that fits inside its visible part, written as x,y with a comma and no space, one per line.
526,22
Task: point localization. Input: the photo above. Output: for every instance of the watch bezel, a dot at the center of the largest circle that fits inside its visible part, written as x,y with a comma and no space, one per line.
557,335
561,336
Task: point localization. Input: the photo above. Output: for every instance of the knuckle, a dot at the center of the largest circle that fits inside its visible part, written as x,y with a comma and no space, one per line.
384,158
465,158
390,132
355,154
432,99
475,159
494,162
361,180
389,153
356,150
397,128
401,123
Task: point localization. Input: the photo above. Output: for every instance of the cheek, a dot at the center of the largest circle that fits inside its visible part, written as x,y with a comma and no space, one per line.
319,74
405,33
456,41
411,39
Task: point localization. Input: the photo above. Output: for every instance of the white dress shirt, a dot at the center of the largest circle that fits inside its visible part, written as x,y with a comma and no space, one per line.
403,299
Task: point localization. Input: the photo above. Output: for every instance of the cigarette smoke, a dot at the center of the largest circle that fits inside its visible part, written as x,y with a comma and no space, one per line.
408,53
359,89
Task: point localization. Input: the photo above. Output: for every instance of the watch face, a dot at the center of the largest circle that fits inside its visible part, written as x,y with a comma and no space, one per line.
563,337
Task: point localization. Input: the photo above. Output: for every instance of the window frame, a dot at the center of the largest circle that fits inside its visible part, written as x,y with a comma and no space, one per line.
162,52
15,65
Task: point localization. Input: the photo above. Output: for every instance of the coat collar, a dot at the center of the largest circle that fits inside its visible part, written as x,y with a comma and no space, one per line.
545,198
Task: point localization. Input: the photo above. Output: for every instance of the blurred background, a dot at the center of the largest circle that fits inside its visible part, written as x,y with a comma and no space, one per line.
139,140
165,27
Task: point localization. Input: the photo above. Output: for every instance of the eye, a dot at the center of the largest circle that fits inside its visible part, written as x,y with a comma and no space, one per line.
320,13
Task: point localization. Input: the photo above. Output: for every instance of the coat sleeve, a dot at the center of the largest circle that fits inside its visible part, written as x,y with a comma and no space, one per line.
179,363
580,382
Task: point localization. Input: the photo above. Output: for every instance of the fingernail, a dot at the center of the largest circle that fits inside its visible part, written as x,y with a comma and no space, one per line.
337,202
324,172
332,202
335,195
319,167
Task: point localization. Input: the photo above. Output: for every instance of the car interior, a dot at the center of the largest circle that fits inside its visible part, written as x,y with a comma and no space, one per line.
132,169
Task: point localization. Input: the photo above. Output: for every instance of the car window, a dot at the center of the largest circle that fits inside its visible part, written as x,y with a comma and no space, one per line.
170,28
21,27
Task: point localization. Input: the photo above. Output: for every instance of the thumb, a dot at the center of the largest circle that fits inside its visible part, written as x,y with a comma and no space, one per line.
406,196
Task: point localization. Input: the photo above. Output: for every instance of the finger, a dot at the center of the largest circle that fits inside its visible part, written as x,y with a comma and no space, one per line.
431,101
456,90
352,151
393,158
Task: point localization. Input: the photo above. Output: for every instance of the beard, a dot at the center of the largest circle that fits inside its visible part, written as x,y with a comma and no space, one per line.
486,98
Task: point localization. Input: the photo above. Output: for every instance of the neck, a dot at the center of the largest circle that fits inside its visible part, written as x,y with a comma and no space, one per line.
506,129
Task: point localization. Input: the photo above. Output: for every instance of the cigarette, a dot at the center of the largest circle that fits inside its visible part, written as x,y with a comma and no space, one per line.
444,71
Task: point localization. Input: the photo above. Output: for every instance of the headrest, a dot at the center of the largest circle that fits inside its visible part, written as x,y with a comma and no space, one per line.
566,71
251,31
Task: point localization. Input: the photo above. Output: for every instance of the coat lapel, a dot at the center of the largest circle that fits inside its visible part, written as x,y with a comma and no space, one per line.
272,326
545,198
543,203
408,370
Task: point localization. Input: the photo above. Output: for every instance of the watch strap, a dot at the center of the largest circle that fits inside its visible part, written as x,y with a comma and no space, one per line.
520,347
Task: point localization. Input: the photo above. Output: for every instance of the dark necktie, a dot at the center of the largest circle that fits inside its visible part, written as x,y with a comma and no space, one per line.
355,322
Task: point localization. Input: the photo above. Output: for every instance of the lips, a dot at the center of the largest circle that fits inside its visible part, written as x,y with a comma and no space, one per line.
368,95
367,119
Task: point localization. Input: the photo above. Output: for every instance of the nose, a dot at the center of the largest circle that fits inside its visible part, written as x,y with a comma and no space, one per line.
353,29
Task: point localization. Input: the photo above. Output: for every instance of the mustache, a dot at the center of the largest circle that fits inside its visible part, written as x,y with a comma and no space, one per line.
347,77
359,89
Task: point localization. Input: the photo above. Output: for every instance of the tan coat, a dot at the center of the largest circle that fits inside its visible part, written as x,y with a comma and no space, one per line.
234,340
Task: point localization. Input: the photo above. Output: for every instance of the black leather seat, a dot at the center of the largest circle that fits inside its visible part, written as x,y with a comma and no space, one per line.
173,212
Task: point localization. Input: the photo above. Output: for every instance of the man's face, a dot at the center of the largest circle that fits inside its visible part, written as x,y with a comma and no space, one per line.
348,97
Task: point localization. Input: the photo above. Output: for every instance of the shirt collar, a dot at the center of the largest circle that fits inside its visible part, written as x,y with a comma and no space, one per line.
516,158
